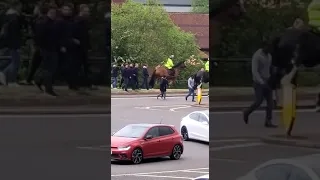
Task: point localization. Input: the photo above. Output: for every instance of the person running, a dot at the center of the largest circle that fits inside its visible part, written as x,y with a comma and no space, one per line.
163,88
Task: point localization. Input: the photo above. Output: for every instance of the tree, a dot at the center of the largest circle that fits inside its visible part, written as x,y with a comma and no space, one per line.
147,34
200,6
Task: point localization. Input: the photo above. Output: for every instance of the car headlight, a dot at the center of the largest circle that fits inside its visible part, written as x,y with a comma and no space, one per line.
124,148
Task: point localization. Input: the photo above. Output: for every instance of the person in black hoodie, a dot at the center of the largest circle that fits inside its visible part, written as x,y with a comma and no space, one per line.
126,76
49,44
82,34
145,76
163,88
68,63
132,77
11,36
39,17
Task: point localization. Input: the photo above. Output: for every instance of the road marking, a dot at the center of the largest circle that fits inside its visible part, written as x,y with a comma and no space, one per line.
181,107
94,148
126,98
59,116
231,140
235,146
170,177
158,172
262,111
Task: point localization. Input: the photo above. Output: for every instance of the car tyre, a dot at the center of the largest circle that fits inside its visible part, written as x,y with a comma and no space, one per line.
176,152
184,133
137,156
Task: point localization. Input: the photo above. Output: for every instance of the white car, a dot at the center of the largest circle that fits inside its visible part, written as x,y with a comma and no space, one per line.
204,177
195,126
300,168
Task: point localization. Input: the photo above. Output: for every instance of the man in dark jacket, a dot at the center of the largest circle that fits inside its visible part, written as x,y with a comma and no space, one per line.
132,77
39,17
49,44
68,63
114,76
11,36
126,76
163,87
145,76
82,34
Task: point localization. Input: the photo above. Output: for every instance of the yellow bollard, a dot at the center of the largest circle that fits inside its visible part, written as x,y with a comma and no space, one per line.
289,101
289,108
199,94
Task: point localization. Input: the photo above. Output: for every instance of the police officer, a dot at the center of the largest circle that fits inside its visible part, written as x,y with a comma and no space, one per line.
145,76
132,77
169,65
206,65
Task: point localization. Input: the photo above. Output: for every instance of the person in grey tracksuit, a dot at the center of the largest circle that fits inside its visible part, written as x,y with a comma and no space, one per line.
191,88
261,67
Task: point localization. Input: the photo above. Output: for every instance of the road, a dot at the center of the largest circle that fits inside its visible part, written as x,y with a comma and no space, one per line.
235,147
195,160
46,147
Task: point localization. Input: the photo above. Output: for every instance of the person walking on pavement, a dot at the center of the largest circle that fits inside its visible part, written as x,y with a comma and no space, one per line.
10,35
191,88
261,67
136,75
49,46
145,77
125,76
114,76
163,88
132,77
39,17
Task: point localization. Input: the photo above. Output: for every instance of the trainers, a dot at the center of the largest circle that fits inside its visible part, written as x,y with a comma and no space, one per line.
3,78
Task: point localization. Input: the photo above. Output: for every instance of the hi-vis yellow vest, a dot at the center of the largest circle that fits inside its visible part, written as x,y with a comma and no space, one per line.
206,66
169,64
314,13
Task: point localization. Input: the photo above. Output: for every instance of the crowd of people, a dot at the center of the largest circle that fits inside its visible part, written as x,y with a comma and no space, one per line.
61,42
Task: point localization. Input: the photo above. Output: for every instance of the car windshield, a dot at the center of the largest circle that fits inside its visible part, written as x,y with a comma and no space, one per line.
131,131
206,113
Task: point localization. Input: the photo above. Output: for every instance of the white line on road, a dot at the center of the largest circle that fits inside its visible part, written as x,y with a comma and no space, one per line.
94,148
57,116
230,140
181,107
126,98
159,172
168,177
235,146
262,111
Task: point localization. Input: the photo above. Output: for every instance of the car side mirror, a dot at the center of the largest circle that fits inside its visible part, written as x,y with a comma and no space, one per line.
148,137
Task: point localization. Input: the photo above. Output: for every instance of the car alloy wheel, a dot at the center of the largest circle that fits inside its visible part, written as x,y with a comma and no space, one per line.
184,133
176,152
136,156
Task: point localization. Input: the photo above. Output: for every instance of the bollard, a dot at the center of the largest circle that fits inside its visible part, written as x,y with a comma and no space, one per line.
199,93
289,102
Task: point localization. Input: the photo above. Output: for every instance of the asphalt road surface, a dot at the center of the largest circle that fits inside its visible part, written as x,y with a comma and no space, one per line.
193,163
48,147
235,148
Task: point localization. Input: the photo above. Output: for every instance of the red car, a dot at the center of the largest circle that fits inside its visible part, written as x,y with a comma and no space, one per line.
136,142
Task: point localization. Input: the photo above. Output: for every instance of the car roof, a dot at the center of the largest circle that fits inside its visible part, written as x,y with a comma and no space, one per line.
149,125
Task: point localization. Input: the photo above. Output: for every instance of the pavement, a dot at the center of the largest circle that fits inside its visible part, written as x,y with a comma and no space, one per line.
47,147
236,147
193,163
216,93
